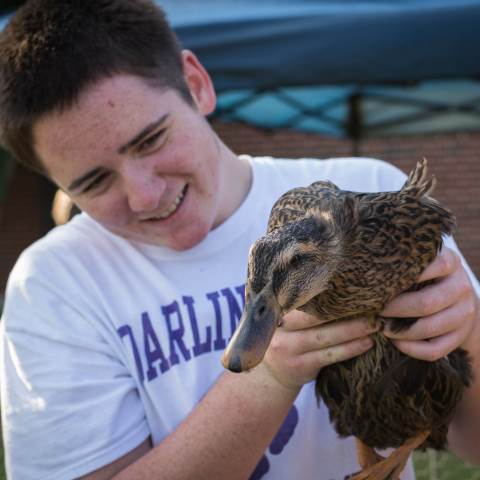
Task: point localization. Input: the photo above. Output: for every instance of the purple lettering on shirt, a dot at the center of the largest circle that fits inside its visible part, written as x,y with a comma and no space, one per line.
175,335
234,309
279,442
261,469
219,343
186,340
198,347
126,330
286,432
153,350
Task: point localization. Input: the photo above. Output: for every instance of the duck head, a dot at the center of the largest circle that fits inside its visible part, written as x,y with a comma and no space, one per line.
286,269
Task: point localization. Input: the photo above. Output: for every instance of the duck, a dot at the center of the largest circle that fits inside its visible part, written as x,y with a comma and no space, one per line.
341,255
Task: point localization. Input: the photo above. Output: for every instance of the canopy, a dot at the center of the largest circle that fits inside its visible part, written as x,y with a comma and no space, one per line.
351,67
271,43
342,67
252,44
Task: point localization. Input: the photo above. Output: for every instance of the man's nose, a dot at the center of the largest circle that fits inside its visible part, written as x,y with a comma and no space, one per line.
144,190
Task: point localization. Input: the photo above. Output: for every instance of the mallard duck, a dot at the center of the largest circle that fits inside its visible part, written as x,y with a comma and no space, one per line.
339,255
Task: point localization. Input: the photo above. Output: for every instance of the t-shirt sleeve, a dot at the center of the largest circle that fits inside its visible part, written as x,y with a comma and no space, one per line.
450,243
69,404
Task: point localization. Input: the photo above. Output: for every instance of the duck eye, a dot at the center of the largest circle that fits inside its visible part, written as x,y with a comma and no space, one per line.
295,260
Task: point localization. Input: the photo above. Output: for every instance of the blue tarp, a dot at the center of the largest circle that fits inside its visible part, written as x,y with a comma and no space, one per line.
271,43
264,44
346,67
341,67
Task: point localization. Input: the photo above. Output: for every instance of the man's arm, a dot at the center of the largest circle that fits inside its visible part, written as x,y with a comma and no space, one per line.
253,406
207,445
464,433
109,471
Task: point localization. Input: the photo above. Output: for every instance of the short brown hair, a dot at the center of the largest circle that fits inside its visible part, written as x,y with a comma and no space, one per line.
51,50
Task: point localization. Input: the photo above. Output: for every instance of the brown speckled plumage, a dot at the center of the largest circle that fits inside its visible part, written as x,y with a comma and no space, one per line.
339,255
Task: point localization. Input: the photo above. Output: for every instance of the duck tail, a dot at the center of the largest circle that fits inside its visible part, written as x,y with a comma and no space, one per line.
418,183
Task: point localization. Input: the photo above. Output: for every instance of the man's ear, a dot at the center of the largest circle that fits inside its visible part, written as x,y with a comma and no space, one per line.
199,83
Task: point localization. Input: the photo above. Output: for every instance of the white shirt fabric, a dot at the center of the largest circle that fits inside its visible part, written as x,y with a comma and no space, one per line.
107,341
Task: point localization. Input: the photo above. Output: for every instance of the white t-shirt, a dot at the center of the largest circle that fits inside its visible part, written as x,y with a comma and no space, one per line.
107,341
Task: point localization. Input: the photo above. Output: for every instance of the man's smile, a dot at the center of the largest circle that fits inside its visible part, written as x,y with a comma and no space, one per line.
169,210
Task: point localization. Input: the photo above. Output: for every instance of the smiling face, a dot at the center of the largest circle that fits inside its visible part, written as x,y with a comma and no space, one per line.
143,162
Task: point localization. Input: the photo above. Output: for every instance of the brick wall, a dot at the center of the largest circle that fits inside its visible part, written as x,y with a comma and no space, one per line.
454,158
24,217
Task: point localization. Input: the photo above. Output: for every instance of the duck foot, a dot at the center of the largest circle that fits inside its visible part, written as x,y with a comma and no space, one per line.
366,455
375,467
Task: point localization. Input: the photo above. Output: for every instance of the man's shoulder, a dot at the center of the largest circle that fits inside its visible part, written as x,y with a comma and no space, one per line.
61,248
349,173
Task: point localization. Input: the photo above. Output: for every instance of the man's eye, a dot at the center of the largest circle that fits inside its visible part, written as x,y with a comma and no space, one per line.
149,142
96,182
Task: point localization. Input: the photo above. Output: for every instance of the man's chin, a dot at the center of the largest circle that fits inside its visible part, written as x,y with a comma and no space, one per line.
181,241
187,242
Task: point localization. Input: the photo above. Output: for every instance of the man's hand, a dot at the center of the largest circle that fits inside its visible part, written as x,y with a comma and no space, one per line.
303,345
447,310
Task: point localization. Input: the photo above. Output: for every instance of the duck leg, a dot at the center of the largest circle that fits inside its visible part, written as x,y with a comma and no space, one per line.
391,467
367,456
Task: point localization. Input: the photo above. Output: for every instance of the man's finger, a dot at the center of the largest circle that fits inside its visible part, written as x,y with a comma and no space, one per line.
432,349
297,320
431,326
444,263
337,353
333,333
426,301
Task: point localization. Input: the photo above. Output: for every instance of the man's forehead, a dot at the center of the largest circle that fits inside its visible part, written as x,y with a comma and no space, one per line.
107,110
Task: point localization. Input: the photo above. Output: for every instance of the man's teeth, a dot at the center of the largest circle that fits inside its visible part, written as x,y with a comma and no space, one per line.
171,208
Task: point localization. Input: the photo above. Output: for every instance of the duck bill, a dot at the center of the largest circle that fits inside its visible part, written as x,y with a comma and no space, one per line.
252,337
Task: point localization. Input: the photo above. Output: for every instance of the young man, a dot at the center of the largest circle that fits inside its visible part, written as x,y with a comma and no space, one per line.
115,323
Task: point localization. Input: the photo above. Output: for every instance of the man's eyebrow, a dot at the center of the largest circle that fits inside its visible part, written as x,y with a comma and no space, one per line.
90,174
139,137
145,132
